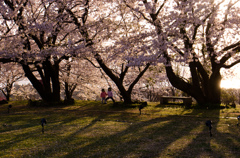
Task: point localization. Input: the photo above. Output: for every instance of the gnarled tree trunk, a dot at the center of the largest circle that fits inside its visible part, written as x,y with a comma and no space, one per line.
49,86
205,90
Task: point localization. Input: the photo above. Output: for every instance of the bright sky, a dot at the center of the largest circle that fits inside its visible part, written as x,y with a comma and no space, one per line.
231,83
232,80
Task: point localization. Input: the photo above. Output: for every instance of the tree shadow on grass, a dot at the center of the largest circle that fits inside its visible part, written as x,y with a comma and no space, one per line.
224,143
18,129
231,134
59,145
170,136
151,138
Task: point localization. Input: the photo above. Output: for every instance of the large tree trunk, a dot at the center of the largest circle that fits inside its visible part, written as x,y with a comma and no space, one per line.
214,88
205,90
8,92
49,86
124,93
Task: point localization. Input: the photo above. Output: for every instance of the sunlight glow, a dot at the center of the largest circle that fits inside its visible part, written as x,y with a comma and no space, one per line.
231,83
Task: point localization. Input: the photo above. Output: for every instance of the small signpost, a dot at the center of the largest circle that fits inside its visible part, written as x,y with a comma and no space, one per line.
9,107
238,119
43,122
140,109
141,106
209,125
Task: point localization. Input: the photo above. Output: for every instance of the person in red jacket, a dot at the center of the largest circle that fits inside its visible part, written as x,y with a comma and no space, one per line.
103,96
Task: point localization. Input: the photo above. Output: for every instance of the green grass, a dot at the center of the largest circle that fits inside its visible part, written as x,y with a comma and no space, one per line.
91,129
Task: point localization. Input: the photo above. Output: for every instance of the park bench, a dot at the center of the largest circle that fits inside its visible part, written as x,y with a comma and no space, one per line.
187,101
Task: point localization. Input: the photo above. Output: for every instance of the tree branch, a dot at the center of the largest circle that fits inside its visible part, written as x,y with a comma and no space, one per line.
138,12
232,64
231,46
92,63
138,78
123,72
177,49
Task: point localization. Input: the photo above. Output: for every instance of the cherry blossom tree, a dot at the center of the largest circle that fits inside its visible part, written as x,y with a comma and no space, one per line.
123,38
24,92
35,34
113,43
9,74
76,73
69,81
200,35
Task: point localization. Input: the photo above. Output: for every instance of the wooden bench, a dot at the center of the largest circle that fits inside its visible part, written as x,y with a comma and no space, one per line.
187,101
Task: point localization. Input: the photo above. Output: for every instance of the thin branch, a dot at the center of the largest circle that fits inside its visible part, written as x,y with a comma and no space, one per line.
232,64
92,63
138,12
231,46
160,8
138,77
177,49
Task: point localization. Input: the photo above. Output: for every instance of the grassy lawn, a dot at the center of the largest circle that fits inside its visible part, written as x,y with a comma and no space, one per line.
91,129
